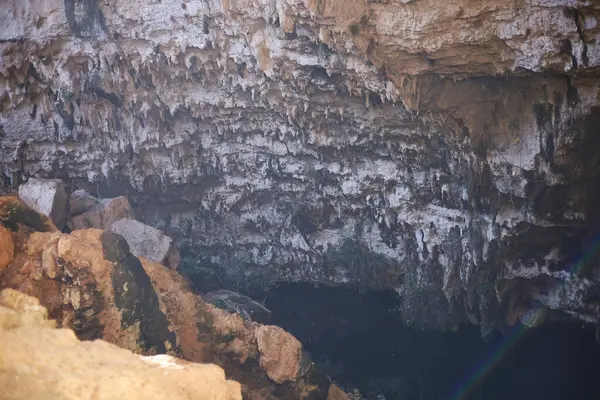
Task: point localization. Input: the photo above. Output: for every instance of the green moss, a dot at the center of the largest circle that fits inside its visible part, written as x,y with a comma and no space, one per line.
354,29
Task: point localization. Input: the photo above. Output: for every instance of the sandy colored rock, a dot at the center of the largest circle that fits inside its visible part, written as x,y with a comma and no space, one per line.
90,282
280,353
103,214
147,241
335,393
7,247
46,196
39,362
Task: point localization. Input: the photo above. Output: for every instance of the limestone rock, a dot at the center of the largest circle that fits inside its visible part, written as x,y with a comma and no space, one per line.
90,282
7,247
147,241
443,150
81,201
46,196
17,216
280,353
103,214
39,362
240,304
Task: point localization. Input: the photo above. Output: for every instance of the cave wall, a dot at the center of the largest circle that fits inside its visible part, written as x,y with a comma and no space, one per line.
446,151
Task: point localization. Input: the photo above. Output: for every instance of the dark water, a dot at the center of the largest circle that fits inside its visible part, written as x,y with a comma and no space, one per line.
358,339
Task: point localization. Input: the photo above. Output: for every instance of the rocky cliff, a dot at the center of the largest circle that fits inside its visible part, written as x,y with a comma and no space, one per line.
447,151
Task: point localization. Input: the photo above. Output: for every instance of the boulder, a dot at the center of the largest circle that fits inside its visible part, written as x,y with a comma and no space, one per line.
7,247
18,216
147,241
41,362
90,282
237,303
81,201
46,196
281,355
103,214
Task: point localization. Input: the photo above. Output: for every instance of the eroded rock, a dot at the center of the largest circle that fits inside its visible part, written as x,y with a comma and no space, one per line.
7,247
90,282
281,354
443,151
46,196
147,241
40,362
81,201
103,214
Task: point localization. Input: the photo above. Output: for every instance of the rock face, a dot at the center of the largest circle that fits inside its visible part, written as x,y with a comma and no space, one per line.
46,196
445,151
146,241
39,362
91,283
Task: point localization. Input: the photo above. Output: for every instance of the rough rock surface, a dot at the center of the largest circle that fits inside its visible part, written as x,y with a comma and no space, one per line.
91,283
81,201
39,362
46,196
7,247
146,241
103,214
280,353
446,151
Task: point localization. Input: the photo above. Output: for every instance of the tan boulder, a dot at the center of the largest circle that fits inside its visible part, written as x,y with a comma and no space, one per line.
90,282
103,214
280,353
39,362
7,247
335,393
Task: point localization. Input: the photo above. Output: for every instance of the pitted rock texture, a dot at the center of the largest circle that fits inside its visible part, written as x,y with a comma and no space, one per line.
39,362
91,283
445,151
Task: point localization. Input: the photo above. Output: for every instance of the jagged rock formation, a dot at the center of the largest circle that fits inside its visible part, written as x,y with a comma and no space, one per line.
90,282
39,362
446,151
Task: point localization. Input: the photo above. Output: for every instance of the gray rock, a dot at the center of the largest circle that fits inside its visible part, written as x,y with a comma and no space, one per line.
81,201
147,241
46,196
103,214
239,304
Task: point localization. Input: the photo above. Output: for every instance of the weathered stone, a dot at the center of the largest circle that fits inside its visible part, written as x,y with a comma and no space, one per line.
103,214
7,247
46,196
335,393
443,151
239,304
81,201
39,362
147,241
90,282
15,215
280,353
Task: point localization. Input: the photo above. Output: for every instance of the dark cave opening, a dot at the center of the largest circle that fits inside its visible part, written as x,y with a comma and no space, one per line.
360,343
